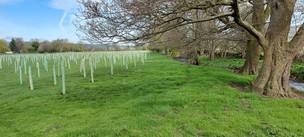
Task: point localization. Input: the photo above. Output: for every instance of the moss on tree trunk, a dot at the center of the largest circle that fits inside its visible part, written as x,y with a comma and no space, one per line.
251,65
278,51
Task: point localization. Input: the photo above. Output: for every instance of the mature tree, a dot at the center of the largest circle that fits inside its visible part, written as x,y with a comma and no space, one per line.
258,21
20,45
176,41
45,46
254,10
234,42
17,45
12,46
60,45
208,35
3,46
35,44
278,52
139,19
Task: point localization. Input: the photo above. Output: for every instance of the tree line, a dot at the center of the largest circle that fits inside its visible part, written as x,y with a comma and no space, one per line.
262,26
18,45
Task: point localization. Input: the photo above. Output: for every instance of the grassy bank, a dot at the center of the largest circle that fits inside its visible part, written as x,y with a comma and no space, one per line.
163,97
235,64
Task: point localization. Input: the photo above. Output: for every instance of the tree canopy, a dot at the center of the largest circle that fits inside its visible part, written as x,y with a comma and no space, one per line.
3,46
141,20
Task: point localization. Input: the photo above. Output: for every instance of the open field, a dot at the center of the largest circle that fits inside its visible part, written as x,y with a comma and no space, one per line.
162,97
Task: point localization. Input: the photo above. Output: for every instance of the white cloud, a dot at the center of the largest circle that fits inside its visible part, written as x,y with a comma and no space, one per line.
65,23
65,29
63,4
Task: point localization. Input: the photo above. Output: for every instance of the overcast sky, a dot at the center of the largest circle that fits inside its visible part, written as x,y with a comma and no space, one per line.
42,19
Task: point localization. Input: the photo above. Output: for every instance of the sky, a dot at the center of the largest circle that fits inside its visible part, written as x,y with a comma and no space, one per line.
38,19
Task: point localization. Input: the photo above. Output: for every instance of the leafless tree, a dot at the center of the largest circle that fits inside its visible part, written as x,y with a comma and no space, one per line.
121,20
20,45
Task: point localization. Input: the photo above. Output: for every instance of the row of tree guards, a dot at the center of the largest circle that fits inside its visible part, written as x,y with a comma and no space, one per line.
24,63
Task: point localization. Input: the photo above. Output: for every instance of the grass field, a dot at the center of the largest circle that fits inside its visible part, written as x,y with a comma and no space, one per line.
163,97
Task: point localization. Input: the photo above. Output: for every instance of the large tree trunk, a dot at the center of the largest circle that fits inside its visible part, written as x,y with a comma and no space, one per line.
278,53
274,77
251,65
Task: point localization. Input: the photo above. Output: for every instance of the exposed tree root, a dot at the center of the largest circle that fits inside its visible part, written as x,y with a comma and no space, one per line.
281,94
275,93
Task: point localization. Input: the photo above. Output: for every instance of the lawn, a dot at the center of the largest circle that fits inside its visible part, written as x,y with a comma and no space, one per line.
162,97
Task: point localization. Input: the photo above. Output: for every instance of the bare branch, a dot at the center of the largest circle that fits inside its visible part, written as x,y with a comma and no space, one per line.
121,20
257,34
297,41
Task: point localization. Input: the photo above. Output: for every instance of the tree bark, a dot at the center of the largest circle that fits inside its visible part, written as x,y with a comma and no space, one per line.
274,77
211,54
202,51
223,53
251,65
278,53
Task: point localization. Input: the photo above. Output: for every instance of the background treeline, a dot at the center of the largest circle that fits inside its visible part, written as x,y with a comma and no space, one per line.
18,45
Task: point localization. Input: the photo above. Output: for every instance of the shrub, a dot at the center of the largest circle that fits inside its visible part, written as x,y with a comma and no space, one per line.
3,46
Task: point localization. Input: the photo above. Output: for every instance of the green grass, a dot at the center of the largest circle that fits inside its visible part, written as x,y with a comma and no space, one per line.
163,97
297,70
234,63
